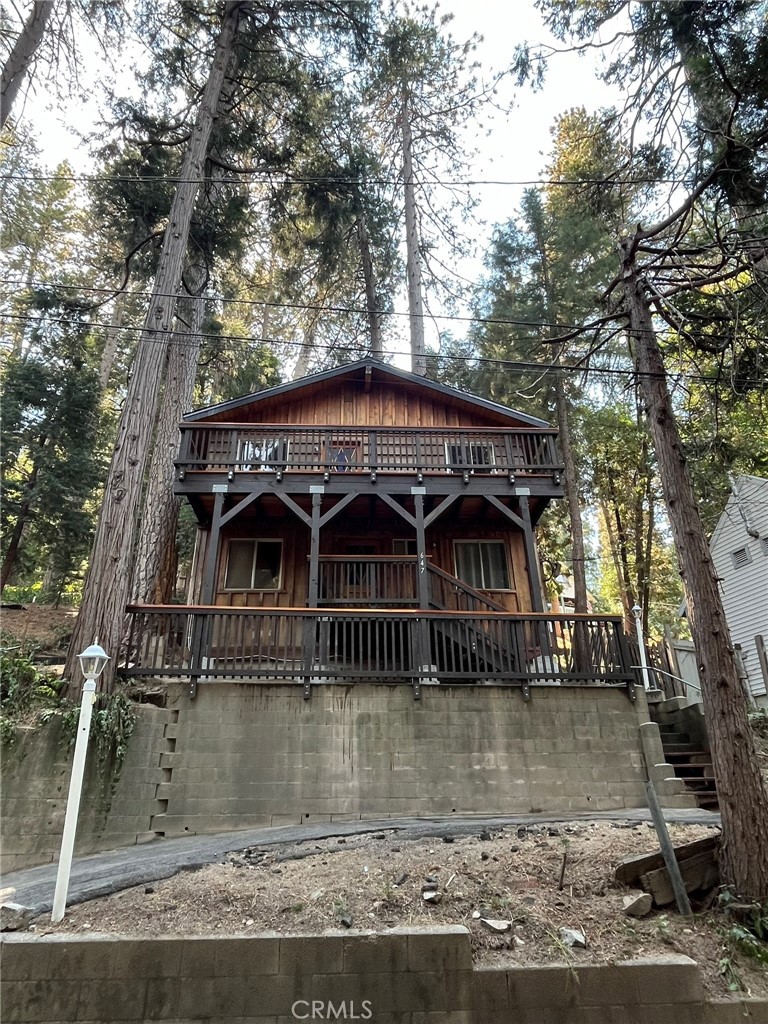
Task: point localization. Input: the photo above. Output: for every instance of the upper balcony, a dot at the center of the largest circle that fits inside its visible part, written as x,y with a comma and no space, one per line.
235,449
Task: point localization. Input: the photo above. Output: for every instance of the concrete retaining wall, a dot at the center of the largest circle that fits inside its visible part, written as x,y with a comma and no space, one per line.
245,756
400,977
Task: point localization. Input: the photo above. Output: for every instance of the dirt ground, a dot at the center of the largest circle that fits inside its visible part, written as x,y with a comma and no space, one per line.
376,882
38,625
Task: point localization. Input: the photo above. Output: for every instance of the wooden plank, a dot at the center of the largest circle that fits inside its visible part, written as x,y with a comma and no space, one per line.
631,868
699,872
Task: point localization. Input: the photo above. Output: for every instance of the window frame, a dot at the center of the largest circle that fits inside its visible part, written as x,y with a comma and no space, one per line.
467,448
255,541
509,589
246,460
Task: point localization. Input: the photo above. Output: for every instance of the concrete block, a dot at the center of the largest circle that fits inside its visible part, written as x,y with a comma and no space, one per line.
364,954
537,987
312,954
444,949
39,1001
490,995
107,1000
24,958
147,958
665,979
162,998
214,997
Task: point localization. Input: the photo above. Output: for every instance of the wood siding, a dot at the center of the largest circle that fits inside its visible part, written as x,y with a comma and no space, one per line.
745,589
346,403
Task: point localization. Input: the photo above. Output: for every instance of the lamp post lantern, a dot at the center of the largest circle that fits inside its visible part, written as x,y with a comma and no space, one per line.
637,611
92,662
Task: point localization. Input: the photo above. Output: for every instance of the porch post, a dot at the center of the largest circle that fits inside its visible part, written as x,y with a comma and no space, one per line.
212,552
423,645
199,656
313,589
531,558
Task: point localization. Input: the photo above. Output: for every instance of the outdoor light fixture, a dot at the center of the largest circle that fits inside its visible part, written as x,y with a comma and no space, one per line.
92,662
637,611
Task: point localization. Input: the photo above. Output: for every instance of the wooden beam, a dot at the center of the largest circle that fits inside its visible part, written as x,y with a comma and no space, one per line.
506,510
531,557
439,509
212,552
296,509
241,505
389,500
338,507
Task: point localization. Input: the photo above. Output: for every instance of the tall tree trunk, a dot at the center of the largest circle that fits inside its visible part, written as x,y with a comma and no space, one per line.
301,369
371,289
109,352
14,541
613,545
24,49
412,249
742,794
108,583
578,563
154,576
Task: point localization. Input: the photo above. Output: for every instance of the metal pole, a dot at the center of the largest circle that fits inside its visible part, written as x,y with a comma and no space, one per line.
73,800
637,611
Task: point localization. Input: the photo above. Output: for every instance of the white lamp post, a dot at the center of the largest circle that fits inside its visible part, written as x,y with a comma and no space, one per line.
637,611
92,662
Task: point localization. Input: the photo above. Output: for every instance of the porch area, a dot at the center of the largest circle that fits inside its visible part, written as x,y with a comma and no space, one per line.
409,646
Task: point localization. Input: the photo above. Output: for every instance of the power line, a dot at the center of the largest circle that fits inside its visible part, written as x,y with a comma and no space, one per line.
317,307
587,328
253,178
508,365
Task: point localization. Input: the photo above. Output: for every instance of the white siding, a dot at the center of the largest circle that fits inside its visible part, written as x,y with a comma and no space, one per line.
745,589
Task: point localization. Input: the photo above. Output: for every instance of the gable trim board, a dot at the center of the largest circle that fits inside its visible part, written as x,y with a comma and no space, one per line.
374,370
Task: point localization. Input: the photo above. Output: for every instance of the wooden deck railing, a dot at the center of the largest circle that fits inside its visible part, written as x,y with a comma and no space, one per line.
368,581
275,448
400,646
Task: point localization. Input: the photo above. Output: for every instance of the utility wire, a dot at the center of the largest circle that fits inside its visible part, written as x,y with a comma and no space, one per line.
511,366
258,178
361,311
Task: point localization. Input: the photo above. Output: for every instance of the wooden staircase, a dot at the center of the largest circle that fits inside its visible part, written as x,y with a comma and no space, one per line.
692,764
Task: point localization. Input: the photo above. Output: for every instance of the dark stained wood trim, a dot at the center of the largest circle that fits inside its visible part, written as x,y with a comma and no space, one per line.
506,510
242,504
296,509
439,509
338,507
531,559
212,552
397,507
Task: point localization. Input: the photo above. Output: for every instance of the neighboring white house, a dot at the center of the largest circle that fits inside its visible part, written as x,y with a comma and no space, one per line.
739,547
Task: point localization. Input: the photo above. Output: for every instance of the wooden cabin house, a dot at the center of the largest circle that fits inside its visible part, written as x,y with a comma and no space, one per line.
367,524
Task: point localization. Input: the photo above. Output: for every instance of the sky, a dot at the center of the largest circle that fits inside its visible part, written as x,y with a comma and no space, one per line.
514,150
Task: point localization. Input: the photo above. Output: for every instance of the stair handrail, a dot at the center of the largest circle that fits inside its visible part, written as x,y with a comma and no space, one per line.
466,589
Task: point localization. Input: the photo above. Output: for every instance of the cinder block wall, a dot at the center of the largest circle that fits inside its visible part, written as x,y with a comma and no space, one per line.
246,756
405,976
35,782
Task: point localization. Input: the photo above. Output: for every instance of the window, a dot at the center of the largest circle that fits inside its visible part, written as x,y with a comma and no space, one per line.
741,558
764,545
341,457
265,455
476,456
482,564
253,565
404,547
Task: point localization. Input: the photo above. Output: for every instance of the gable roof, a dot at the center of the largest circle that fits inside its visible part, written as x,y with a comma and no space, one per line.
755,485
376,370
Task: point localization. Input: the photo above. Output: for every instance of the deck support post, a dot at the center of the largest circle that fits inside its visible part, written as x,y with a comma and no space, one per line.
423,645
200,632
313,590
532,561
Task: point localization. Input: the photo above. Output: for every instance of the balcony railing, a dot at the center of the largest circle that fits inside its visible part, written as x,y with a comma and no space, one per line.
413,646
268,448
